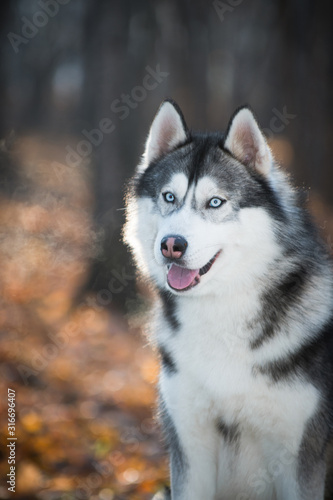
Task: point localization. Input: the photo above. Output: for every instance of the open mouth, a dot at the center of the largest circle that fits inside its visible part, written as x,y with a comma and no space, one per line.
181,279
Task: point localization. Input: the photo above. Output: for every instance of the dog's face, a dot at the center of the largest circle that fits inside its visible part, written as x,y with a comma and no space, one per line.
203,206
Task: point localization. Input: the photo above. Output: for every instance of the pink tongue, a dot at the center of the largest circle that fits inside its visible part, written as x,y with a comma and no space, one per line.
180,278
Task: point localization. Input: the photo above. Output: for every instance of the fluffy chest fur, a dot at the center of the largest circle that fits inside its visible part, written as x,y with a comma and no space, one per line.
218,373
252,427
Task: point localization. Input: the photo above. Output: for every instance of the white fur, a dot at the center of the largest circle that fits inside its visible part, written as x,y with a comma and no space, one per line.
215,381
216,377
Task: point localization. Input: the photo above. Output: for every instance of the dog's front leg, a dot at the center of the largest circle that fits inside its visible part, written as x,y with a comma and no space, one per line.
192,465
193,452
301,483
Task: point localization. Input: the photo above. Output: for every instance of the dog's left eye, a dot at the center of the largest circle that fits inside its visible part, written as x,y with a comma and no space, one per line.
215,202
169,197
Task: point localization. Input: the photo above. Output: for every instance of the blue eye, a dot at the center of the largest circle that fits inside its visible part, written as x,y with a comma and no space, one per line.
169,197
215,202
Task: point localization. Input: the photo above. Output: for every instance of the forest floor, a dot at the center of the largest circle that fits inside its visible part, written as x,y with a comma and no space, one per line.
84,380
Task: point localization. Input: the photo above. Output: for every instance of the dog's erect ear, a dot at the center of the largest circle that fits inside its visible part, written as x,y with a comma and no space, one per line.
246,142
166,132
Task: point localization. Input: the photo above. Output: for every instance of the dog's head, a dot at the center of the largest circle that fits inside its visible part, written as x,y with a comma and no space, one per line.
203,207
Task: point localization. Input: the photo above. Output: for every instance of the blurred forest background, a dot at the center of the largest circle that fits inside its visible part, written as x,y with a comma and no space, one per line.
80,82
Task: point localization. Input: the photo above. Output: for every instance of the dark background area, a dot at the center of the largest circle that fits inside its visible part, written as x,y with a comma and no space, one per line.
80,82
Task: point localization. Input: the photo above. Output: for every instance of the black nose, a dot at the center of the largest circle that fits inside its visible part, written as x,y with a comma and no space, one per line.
173,247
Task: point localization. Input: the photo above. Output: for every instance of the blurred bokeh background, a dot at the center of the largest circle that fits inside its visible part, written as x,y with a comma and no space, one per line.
79,84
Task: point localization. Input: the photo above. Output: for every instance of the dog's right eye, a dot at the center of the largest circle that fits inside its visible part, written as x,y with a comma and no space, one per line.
169,197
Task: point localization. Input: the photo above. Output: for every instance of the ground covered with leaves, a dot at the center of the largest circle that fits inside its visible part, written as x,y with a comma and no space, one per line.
84,380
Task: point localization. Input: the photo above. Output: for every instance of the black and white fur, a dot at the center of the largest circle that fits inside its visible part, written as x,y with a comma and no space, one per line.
246,378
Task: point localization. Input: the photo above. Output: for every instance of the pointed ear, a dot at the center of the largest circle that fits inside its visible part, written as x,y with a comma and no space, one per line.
245,141
166,132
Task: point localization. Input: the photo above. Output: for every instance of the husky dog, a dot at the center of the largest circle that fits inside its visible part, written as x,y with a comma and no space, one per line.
245,313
